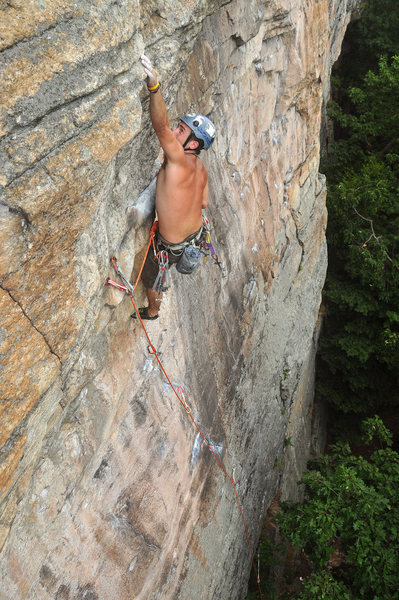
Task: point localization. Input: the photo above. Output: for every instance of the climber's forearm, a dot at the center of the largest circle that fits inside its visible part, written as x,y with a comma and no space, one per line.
158,112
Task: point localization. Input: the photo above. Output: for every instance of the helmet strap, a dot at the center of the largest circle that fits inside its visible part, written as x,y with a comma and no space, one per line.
190,137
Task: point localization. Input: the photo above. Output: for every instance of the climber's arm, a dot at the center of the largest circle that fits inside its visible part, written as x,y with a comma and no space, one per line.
160,121
159,116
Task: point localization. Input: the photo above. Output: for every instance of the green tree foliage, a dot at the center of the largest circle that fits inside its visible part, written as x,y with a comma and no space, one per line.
369,38
323,586
360,346
348,526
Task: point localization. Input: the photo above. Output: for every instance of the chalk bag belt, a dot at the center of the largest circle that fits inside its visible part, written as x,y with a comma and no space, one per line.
161,283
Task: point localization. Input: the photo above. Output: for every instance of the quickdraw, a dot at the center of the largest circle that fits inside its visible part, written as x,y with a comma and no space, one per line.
109,281
161,283
129,287
207,247
183,397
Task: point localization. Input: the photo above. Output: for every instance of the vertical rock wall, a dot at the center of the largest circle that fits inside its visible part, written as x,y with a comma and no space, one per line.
106,489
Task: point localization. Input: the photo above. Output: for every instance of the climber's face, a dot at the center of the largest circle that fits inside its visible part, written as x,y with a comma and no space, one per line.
181,132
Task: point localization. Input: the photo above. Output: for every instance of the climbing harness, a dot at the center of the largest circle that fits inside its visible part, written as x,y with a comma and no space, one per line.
179,393
189,251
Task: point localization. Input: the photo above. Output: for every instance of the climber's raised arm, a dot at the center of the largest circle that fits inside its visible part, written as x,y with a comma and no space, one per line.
159,115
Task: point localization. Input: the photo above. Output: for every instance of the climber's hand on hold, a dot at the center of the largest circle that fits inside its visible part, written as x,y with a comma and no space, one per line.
150,71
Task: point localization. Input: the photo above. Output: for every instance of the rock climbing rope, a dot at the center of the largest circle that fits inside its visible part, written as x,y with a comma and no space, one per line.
129,289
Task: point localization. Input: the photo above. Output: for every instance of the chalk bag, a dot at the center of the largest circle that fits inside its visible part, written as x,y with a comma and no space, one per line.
188,260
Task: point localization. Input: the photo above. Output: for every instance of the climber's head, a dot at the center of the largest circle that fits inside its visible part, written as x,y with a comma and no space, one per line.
202,132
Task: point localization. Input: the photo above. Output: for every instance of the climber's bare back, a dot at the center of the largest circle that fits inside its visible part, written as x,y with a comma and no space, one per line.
182,193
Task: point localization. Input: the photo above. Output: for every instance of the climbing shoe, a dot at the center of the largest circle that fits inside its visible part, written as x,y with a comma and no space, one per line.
143,312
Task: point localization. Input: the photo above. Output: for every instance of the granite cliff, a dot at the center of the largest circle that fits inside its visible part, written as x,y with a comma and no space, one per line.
106,489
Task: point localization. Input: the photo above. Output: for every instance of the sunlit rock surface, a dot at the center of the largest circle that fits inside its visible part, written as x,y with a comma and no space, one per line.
107,490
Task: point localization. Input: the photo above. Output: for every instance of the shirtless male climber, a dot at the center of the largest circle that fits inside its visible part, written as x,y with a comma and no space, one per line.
182,186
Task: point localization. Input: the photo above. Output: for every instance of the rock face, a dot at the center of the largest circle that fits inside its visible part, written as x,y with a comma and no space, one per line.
107,490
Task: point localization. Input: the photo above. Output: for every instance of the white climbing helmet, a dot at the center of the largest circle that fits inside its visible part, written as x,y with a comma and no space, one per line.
202,128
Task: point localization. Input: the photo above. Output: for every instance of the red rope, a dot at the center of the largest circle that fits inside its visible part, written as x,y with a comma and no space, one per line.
150,241
154,352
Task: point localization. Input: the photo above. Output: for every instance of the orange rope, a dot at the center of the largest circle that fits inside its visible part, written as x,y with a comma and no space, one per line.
154,352
151,240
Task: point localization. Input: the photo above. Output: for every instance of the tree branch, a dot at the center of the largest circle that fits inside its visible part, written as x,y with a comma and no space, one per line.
377,238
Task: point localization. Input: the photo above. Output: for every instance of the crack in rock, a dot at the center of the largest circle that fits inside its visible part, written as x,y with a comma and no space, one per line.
32,323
